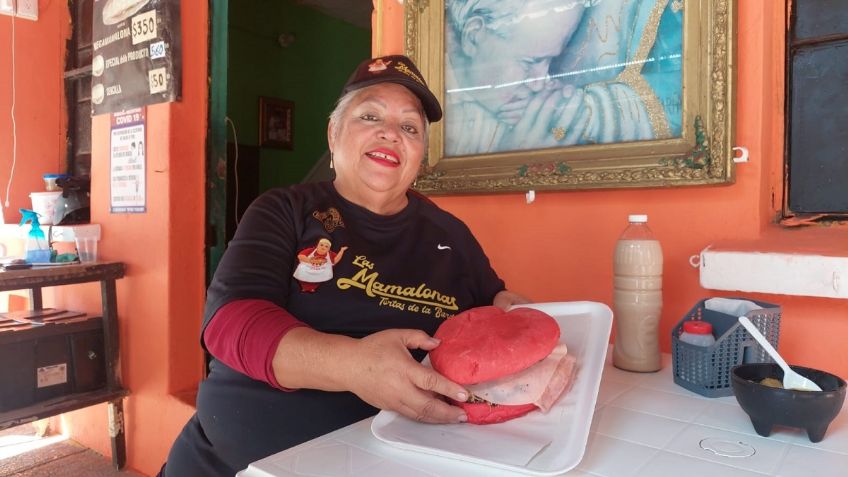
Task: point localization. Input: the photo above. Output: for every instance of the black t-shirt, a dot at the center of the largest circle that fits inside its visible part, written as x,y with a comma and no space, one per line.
412,269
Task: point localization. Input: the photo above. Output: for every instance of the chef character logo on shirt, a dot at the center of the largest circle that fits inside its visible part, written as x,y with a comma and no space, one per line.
316,265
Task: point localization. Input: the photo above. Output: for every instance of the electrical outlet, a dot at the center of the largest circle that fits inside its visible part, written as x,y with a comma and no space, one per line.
28,9
7,7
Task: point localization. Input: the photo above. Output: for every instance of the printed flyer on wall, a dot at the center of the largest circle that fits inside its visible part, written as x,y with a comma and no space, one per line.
127,163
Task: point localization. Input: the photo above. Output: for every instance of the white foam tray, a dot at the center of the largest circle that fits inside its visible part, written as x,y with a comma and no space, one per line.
585,329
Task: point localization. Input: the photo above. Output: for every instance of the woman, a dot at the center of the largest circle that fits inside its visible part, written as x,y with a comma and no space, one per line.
289,366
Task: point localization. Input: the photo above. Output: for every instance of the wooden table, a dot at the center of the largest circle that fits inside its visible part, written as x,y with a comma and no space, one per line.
35,279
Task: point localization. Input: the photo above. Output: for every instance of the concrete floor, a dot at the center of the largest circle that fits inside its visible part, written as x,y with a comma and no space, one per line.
24,454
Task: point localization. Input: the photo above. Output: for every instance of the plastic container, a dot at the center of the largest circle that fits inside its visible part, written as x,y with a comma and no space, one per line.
706,369
539,443
86,240
697,332
50,181
637,297
44,204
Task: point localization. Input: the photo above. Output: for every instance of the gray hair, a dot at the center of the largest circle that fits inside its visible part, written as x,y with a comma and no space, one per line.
343,104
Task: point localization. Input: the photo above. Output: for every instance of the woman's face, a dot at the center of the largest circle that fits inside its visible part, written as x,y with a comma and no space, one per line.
377,146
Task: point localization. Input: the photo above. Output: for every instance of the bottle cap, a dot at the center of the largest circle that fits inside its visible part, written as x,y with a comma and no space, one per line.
637,218
697,327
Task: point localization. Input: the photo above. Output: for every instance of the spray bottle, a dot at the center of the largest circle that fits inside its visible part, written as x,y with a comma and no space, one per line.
37,246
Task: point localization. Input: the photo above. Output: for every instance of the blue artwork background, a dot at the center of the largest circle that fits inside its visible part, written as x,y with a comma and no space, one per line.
557,73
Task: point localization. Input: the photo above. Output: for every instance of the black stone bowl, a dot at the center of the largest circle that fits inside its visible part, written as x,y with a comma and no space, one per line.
768,406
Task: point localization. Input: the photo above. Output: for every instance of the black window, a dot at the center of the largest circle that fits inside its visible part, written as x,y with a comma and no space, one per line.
817,115
78,88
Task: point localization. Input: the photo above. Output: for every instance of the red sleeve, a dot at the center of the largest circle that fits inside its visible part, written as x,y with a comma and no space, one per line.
244,335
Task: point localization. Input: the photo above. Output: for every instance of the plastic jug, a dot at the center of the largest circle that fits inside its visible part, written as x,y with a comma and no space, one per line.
637,297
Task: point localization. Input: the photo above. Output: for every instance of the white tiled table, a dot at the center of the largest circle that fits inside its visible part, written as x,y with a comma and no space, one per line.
644,426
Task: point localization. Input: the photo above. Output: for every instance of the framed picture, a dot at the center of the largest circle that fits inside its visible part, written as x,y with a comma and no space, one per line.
576,94
276,123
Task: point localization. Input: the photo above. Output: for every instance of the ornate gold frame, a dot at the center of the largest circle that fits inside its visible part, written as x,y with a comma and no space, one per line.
703,155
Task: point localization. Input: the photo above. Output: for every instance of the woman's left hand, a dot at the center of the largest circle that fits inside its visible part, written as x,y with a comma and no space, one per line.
505,299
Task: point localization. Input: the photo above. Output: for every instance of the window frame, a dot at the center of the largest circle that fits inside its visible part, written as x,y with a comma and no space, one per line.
75,74
792,46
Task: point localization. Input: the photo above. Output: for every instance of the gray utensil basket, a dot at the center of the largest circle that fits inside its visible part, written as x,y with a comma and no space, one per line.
706,369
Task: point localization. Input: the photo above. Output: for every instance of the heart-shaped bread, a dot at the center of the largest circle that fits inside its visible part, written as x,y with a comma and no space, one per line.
487,343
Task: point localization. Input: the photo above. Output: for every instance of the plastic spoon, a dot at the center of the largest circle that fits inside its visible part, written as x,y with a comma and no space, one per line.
791,379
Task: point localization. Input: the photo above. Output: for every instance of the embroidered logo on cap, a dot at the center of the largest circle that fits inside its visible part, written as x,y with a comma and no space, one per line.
378,65
408,72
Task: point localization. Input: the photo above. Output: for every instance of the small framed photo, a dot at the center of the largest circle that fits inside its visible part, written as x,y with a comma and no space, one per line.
276,123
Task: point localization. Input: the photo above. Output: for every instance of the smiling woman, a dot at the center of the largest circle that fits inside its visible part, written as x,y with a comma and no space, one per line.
326,298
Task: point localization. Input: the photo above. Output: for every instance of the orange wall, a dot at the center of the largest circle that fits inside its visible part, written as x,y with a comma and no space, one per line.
39,103
161,298
579,228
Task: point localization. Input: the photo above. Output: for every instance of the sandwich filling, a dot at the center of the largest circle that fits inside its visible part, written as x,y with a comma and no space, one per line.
511,362
540,384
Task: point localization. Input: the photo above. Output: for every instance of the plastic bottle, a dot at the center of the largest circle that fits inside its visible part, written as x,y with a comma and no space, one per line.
697,332
637,297
37,246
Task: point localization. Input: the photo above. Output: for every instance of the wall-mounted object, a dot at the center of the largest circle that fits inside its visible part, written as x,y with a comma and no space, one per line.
276,123
7,7
137,54
26,9
782,272
649,105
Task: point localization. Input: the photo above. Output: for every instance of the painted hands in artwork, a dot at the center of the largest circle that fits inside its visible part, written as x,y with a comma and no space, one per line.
565,115
554,116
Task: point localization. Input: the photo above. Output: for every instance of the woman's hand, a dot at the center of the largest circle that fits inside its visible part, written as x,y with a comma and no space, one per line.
505,299
378,368
385,375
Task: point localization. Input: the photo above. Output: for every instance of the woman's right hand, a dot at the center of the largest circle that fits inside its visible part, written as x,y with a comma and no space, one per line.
384,374
378,368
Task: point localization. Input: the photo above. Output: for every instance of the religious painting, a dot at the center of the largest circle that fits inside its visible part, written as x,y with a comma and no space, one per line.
559,94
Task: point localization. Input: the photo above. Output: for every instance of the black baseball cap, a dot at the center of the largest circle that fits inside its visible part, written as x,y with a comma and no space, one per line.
395,69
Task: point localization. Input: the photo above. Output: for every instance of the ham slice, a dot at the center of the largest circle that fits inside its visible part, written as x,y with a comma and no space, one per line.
541,384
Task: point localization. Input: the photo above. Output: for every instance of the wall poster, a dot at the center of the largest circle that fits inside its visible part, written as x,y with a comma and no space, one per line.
127,163
136,59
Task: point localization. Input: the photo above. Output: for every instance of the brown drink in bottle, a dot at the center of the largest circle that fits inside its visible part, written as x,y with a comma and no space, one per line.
637,297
